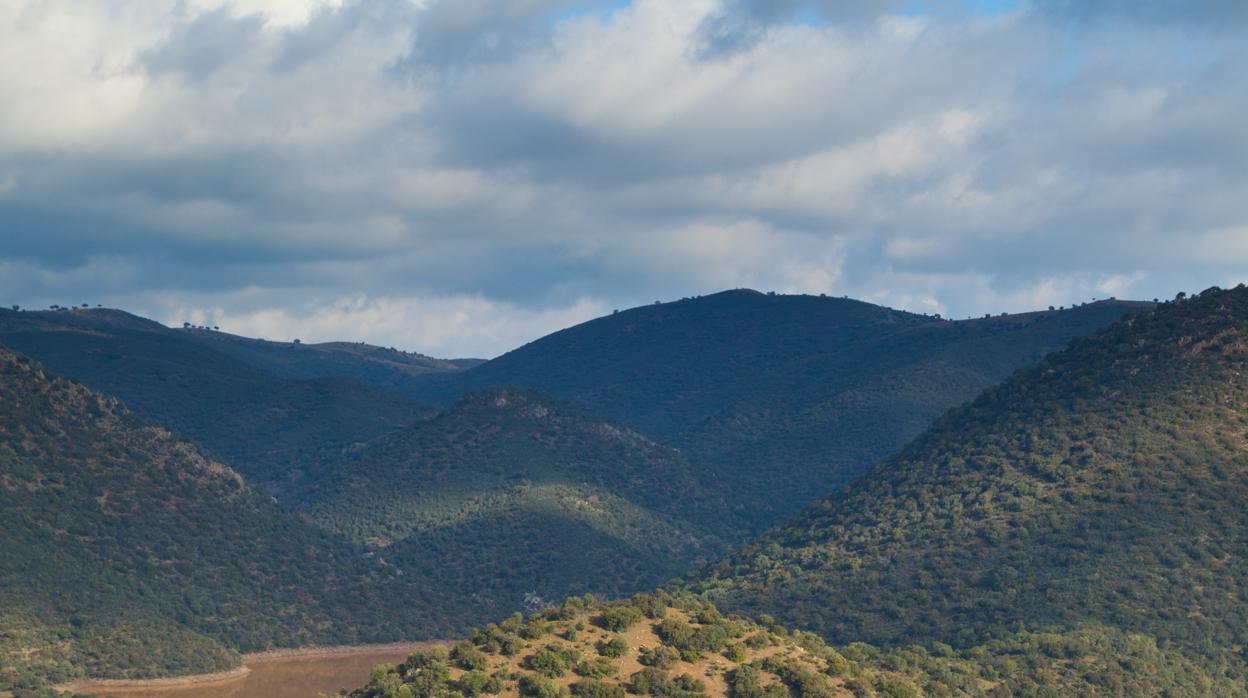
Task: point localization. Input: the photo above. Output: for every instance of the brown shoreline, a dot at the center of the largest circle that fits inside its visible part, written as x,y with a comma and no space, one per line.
249,659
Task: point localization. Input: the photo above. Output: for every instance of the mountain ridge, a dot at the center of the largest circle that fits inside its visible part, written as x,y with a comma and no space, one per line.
1104,484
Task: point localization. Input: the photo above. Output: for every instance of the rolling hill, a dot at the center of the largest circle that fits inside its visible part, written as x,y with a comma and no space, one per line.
508,494
267,416
126,552
1107,485
784,397
679,647
388,368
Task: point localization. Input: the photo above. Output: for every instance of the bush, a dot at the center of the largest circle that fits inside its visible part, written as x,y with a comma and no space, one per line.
597,668
552,660
615,647
465,655
660,657
538,687
648,682
618,618
747,682
478,683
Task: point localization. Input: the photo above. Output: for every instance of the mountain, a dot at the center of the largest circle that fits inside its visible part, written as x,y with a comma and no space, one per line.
265,415
126,552
678,647
785,397
508,494
1106,485
388,368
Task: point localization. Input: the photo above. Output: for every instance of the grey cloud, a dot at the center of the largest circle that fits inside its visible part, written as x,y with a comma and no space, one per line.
459,33
464,151
1213,14
201,46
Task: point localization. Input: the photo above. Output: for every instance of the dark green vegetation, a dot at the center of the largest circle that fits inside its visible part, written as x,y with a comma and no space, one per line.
1106,485
681,647
502,500
509,494
267,416
395,370
126,552
785,397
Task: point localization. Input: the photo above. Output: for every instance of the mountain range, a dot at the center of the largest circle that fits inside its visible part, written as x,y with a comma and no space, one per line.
1106,486
606,458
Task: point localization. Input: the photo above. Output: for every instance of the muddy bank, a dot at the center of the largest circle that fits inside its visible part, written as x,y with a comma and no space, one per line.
96,685
339,651
264,674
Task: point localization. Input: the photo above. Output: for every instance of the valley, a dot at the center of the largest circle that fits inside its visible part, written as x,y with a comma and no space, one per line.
415,498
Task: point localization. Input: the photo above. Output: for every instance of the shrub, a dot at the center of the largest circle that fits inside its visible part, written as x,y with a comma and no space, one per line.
647,682
538,687
618,618
660,657
615,647
467,656
478,683
552,660
597,668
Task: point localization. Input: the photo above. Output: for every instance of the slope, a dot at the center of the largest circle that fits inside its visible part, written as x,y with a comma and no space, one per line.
786,397
508,493
387,368
267,426
1106,484
678,647
126,552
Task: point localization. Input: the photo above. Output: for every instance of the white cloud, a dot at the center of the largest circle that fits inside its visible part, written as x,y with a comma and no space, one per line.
270,158
449,326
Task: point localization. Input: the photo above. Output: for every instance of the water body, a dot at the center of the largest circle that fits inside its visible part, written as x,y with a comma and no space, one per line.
301,675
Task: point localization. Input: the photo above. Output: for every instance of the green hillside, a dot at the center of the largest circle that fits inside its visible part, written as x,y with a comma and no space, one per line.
268,425
1106,485
678,647
786,397
126,552
508,494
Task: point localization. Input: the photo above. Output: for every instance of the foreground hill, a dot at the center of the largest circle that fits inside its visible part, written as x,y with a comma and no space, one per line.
786,397
126,552
1108,484
508,494
266,417
658,645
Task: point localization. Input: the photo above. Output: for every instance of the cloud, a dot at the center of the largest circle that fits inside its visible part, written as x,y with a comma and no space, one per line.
371,164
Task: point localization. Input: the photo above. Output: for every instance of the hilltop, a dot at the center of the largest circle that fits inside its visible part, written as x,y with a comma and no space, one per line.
1105,485
509,480
127,552
382,367
785,397
268,410
680,647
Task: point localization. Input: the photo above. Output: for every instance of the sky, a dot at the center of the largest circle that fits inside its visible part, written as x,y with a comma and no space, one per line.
459,177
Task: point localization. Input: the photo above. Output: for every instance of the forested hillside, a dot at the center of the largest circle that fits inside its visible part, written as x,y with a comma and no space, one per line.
392,369
126,552
1107,485
268,424
508,494
786,397
679,647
